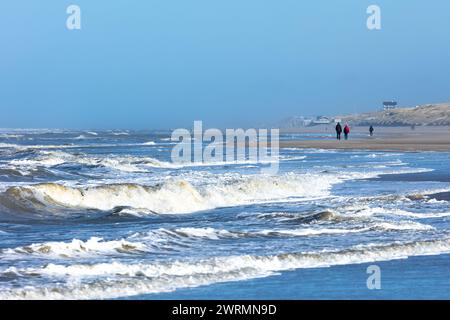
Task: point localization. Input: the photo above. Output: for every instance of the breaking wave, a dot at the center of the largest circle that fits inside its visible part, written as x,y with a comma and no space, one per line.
46,158
370,211
147,241
171,196
214,234
77,248
81,137
120,133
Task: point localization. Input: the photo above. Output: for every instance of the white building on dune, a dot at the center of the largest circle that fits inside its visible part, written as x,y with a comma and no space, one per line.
389,105
322,120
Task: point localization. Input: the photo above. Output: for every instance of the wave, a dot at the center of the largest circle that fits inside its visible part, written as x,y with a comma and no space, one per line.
77,248
12,172
24,147
208,233
45,158
303,218
9,145
117,279
162,239
81,137
11,136
55,158
400,226
404,213
28,147
171,196
373,226
360,216
378,155
216,234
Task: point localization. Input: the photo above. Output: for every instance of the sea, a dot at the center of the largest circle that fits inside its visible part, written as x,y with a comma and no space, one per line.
107,215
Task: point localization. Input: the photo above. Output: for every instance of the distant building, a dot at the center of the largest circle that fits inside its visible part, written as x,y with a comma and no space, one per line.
322,120
389,105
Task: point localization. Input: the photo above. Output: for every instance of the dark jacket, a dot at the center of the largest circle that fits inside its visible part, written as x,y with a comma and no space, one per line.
338,128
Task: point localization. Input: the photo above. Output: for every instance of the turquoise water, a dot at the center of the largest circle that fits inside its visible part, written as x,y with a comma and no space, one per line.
108,215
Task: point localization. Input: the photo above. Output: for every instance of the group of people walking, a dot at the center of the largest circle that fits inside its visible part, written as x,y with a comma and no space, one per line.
339,131
346,131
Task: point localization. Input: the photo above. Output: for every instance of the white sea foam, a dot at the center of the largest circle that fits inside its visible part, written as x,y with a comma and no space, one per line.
77,247
121,163
116,279
45,159
372,226
301,232
377,155
424,215
370,211
8,145
23,147
49,158
214,234
400,225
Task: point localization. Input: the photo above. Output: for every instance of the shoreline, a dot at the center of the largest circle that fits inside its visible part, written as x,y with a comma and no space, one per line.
384,139
375,145
416,277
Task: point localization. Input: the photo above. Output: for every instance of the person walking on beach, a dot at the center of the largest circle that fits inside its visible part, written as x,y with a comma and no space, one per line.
346,131
338,131
371,130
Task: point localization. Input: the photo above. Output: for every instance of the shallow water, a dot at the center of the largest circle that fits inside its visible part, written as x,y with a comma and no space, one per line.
108,215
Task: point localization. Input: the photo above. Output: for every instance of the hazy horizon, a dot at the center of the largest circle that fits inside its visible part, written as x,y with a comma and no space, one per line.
161,65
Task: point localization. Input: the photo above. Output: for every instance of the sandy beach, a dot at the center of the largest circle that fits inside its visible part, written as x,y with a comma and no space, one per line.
384,139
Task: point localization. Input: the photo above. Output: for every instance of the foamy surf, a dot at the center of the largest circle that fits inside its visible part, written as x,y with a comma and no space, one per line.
45,158
76,248
117,279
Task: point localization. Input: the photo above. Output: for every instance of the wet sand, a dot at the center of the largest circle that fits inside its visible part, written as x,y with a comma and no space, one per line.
436,176
445,196
384,139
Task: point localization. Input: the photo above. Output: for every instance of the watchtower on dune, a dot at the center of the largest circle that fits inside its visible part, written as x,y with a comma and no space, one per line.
389,105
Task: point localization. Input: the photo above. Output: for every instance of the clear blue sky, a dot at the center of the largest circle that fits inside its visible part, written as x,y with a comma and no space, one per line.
155,64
